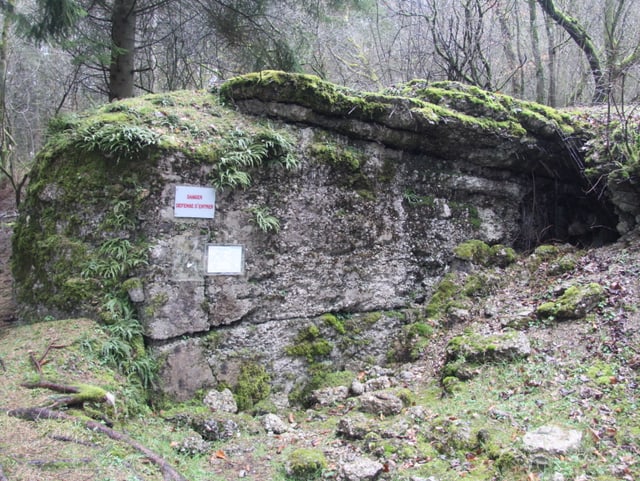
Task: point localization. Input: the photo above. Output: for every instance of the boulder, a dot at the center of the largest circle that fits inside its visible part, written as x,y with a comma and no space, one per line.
574,303
222,401
272,423
355,426
216,429
381,403
329,395
479,348
361,469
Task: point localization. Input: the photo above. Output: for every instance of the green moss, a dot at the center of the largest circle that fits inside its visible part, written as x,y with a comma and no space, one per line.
47,268
405,395
337,155
310,345
451,384
509,460
474,284
306,90
419,329
566,263
253,385
415,340
475,251
321,375
574,303
78,290
155,303
388,171
370,318
502,256
473,110
601,373
546,252
468,350
479,252
445,292
306,464
90,393
333,321
132,283
477,103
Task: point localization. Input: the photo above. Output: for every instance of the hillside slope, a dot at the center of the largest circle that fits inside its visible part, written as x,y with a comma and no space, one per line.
581,374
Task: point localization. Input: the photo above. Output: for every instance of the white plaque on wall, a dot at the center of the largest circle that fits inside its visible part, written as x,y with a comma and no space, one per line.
193,201
225,259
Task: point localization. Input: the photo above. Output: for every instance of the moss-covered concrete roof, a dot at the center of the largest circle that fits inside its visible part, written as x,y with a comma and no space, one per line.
445,119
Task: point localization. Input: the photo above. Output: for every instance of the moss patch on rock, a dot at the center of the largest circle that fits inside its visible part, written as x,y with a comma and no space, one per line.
574,303
464,353
479,252
416,116
305,464
252,387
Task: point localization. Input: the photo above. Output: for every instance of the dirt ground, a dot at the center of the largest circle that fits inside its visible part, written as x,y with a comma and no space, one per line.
7,217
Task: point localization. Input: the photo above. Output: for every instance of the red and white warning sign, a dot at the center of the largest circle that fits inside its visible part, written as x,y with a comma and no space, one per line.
193,201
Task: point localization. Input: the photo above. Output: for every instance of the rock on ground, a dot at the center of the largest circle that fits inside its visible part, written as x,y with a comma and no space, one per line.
552,440
221,401
361,469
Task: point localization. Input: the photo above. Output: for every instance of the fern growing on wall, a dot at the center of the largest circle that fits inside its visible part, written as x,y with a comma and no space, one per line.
116,141
264,220
240,152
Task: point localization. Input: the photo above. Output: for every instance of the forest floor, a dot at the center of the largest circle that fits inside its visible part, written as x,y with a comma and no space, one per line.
582,374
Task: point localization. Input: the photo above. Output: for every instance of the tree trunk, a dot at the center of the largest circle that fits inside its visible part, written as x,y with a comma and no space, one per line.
584,42
509,52
123,39
4,52
552,95
535,47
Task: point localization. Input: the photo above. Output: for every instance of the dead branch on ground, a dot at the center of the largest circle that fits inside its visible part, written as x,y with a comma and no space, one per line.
47,463
69,439
34,414
39,363
81,393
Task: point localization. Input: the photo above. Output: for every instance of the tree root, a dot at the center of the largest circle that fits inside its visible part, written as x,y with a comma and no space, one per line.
34,414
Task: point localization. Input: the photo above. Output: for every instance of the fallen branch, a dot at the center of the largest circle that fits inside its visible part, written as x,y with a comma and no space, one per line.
82,393
68,439
34,414
55,462
38,363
